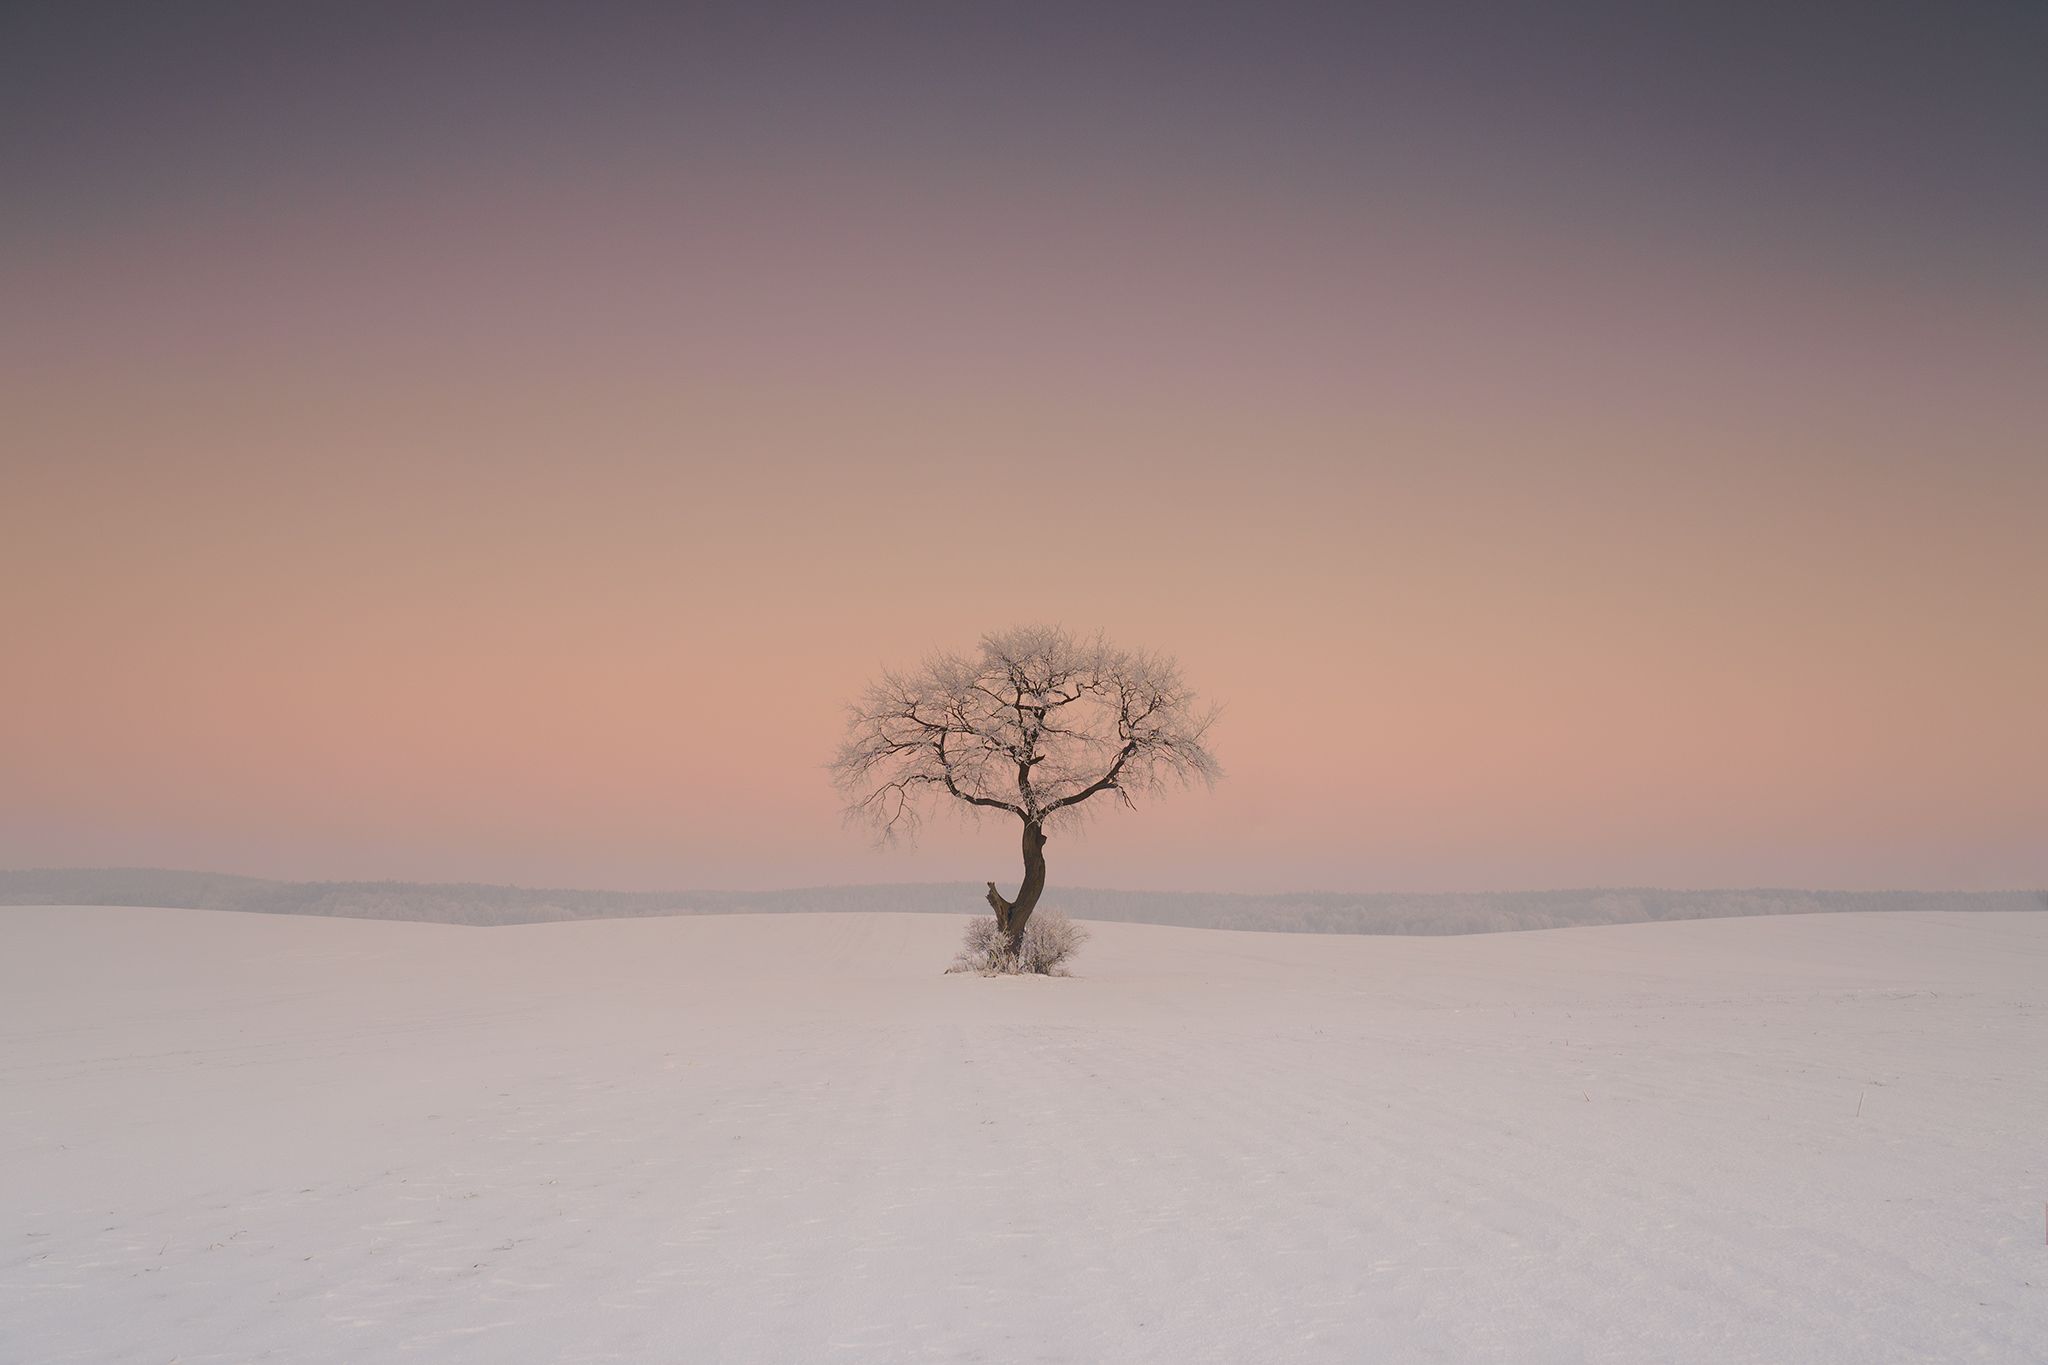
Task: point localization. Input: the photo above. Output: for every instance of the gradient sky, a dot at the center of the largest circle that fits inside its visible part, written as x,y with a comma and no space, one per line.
1577,450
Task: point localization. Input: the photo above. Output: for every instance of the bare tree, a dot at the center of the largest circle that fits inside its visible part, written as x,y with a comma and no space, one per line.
1036,725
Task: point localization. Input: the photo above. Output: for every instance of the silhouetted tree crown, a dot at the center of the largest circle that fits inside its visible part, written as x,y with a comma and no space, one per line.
1036,725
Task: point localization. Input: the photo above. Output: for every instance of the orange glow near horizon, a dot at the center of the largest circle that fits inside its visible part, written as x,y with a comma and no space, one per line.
536,530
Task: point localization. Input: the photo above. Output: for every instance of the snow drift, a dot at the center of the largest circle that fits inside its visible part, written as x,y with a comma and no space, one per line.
765,1138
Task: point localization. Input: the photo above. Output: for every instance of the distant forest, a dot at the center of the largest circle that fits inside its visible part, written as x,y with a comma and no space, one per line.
1304,912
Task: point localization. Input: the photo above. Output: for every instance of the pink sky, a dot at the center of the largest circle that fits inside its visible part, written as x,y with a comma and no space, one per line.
533,524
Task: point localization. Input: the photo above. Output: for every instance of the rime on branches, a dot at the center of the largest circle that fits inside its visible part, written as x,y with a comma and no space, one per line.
1037,725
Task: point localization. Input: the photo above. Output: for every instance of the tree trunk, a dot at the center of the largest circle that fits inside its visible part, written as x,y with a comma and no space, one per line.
1012,916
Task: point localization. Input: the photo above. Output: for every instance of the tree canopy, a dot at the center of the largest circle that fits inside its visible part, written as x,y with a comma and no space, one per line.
1035,725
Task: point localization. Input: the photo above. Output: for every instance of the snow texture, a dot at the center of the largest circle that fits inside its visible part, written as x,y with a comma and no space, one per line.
791,1138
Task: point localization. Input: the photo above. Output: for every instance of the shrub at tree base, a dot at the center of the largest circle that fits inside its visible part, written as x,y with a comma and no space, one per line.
1050,939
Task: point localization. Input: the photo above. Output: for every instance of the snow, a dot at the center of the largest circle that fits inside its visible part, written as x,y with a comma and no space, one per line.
790,1138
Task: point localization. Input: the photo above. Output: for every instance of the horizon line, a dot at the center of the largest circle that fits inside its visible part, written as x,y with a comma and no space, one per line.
1117,890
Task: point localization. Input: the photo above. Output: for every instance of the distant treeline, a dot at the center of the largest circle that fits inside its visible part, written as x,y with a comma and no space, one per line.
1303,912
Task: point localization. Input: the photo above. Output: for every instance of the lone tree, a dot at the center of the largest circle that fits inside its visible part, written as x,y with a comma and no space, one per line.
1035,726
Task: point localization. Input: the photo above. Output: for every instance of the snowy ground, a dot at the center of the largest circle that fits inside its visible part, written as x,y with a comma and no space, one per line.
788,1138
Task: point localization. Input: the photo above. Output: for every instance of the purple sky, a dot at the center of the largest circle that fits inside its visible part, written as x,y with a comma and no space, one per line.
1577,447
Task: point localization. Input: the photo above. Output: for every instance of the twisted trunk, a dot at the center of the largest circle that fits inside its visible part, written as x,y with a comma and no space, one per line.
1013,915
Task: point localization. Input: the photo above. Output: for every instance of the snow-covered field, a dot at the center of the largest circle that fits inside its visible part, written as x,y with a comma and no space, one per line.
789,1138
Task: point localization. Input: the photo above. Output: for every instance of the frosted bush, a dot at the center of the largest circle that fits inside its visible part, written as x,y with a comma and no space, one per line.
981,948
1050,939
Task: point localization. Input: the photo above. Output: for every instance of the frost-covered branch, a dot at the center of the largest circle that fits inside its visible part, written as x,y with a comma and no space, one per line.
1034,725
